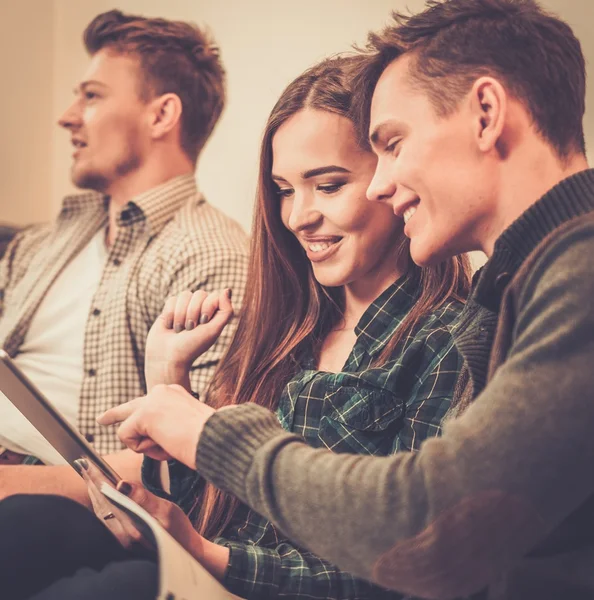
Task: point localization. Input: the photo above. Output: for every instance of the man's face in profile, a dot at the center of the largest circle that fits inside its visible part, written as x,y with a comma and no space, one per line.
107,121
428,169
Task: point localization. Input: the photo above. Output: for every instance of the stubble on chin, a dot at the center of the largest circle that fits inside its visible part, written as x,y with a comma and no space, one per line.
88,180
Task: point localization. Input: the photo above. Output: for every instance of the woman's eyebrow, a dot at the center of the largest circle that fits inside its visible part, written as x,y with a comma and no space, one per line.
323,171
315,172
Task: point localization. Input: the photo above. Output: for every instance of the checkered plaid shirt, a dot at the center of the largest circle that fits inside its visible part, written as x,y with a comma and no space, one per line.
364,409
168,239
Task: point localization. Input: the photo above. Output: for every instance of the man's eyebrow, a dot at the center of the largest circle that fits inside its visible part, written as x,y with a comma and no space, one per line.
380,132
81,87
315,172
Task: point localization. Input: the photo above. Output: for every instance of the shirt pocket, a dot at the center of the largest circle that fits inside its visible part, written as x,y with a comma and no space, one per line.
361,421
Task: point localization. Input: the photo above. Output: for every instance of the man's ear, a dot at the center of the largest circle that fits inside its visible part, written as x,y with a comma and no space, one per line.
489,103
165,114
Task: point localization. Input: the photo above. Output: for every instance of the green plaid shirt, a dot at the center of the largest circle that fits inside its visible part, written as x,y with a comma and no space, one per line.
363,409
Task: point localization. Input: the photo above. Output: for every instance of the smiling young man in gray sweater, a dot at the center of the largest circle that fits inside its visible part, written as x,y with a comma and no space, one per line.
474,108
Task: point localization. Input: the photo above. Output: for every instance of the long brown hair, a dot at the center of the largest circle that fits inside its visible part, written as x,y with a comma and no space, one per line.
287,313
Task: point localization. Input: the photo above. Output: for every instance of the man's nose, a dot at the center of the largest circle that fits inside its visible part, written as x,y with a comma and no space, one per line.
72,116
382,187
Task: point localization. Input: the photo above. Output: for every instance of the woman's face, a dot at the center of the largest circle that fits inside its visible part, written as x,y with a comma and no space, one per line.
322,177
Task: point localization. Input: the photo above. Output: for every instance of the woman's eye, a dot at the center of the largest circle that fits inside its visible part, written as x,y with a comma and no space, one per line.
392,146
284,192
331,188
90,95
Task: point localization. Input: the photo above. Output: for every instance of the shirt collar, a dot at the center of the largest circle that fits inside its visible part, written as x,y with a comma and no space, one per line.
384,315
158,205
571,198
155,206
87,202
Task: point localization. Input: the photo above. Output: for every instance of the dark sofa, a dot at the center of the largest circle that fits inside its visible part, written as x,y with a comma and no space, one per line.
7,232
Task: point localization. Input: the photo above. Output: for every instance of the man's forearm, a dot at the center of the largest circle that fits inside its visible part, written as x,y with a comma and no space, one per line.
63,479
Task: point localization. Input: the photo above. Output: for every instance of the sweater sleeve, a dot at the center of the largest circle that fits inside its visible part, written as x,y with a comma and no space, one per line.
449,519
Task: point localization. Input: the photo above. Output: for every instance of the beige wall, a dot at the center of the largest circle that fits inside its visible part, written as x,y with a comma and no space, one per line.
264,43
26,69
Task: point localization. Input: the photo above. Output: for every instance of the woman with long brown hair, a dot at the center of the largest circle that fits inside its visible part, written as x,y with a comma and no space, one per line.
340,333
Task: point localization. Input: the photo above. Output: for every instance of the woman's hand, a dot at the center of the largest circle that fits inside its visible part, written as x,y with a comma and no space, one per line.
188,326
164,424
116,520
171,517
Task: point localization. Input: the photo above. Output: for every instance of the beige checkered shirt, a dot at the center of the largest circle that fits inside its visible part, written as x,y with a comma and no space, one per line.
169,239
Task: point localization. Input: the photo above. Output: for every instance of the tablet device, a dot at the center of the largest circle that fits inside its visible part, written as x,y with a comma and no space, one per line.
46,419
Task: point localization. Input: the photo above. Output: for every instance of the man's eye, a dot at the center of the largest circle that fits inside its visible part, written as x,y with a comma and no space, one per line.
331,188
90,95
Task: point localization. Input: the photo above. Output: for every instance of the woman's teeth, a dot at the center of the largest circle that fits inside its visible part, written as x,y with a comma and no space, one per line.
320,247
408,213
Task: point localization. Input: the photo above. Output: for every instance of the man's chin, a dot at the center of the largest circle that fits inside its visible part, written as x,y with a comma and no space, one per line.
87,180
426,255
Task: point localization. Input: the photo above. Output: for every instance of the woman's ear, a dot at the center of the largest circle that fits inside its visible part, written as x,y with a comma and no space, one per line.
165,114
489,104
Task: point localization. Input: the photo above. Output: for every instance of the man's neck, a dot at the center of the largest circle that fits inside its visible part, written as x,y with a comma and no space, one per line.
522,185
134,184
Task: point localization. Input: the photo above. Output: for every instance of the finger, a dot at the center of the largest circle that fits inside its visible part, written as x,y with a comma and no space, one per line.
168,312
107,513
150,449
140,495
209,307
144,446
120,524
225,303
100,505
221,317
95,475
159,508
120,413
98,500
132,432
194,309
148,501
181,307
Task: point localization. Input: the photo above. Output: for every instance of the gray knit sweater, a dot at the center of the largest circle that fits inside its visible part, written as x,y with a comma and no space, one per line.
503,503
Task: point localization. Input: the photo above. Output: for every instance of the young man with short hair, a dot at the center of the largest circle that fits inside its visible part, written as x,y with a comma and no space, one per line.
474,108
78,296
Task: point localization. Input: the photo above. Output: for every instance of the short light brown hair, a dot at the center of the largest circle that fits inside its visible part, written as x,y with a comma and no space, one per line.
452,43
175,57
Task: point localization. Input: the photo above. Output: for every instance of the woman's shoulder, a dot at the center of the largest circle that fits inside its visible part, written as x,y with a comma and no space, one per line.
442,319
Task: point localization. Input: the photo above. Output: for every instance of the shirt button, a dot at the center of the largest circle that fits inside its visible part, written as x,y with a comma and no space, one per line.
502,280
117,262
89,437
96,312
92,372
